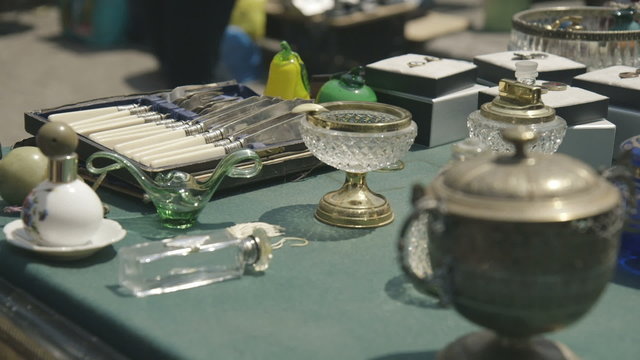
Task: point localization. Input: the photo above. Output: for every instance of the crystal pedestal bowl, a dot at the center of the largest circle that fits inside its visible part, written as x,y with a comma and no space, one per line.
357,137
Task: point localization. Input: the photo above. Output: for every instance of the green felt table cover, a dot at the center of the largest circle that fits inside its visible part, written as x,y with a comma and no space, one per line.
341,297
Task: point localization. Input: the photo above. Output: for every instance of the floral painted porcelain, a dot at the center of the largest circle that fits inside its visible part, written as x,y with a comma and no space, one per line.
63,210
65,214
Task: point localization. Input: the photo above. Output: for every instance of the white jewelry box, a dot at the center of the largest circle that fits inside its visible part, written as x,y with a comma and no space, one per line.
592,143
627,123
496,66
421,75
440,120
622,85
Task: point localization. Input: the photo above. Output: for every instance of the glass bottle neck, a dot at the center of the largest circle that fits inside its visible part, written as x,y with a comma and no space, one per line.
63,169
250,250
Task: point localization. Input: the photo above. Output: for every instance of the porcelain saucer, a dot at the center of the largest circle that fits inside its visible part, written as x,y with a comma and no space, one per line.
109,232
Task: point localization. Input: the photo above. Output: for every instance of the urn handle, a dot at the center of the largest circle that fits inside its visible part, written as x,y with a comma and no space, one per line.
413,249
623,179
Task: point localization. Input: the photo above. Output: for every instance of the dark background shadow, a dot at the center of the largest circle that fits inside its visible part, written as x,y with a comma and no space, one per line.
421,355
8,27
400,289
299,221
150,227
629,277
147,81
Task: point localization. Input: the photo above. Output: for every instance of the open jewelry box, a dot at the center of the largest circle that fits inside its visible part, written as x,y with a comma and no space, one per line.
281,159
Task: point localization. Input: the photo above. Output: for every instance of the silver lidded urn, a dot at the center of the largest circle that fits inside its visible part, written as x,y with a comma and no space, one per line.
521,244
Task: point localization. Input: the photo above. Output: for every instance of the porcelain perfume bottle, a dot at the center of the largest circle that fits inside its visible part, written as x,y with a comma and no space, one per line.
62,210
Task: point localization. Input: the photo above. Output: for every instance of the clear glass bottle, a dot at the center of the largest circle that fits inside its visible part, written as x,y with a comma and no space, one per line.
185,262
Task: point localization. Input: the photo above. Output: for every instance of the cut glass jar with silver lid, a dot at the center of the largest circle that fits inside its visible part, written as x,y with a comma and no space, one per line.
517,104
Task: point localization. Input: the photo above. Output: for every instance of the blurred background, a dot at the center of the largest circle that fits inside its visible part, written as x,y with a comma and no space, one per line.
57,52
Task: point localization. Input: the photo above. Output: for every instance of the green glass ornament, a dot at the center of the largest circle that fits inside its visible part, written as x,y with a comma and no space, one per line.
349,86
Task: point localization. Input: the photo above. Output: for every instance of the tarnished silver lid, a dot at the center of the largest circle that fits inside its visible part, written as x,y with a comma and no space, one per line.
524,187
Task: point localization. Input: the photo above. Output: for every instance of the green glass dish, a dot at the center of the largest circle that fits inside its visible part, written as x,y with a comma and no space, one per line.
179,197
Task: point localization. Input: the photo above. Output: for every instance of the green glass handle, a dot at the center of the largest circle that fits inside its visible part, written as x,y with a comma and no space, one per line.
230,161
96,170
119,163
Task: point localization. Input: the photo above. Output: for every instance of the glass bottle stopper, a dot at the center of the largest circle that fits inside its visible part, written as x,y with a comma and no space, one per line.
526,72
58,142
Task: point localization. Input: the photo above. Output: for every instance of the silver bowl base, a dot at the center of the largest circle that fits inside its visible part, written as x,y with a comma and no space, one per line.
485,345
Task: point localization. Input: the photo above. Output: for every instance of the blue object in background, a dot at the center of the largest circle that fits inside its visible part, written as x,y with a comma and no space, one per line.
240,55
629,257
101,23
623,20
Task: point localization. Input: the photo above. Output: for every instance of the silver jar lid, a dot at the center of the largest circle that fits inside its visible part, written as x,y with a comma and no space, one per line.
519,104
524,187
